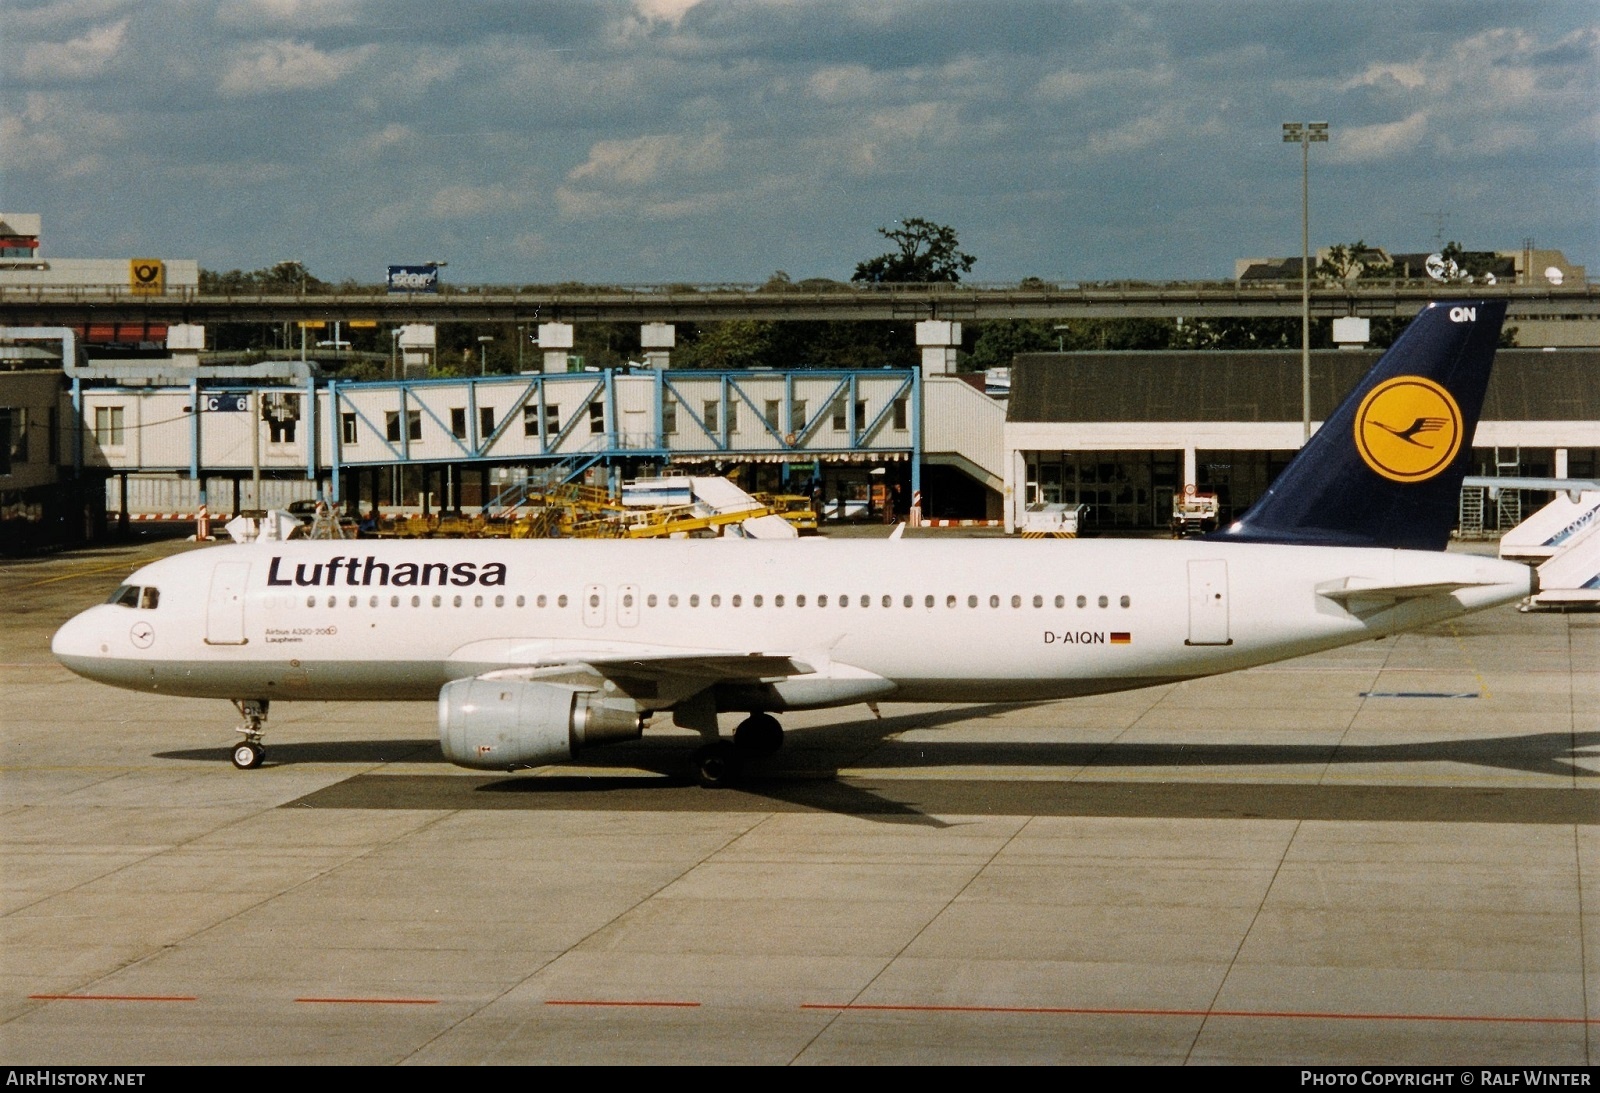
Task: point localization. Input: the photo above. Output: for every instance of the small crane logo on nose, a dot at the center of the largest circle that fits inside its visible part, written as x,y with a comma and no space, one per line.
143,635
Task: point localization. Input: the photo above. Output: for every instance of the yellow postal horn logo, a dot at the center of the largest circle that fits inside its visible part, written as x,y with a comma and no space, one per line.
1408,429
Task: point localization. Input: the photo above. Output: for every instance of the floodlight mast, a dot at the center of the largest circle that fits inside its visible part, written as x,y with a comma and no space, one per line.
1305,134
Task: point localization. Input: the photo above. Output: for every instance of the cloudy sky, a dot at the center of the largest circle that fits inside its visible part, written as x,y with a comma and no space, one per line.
721,140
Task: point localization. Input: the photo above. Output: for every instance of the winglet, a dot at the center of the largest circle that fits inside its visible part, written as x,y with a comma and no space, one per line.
1386,467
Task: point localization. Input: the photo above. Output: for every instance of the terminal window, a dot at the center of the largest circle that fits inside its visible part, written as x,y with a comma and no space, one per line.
841,409
13,437
108,425
347,429
530,420
458,422
413,424
597,417
282,411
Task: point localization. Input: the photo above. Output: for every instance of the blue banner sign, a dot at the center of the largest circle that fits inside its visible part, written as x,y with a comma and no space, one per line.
413,279
227,402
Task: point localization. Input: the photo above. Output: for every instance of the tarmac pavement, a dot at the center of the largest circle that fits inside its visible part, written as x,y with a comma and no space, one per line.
1384,854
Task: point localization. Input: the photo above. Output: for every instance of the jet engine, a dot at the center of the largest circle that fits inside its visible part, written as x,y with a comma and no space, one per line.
502,724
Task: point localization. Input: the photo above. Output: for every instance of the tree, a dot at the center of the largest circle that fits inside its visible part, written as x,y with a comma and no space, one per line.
1000,340
290,276
733,344
1477,265
924,252
1354,262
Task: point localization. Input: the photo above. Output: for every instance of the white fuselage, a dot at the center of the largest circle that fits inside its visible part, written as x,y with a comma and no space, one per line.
909,620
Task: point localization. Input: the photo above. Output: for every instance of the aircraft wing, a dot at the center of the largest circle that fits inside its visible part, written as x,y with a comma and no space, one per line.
650,675
709,667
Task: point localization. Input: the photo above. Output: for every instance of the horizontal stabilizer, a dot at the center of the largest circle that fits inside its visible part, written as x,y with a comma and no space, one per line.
1370,592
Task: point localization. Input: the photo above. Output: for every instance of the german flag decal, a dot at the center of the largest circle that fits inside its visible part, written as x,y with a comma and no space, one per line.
1121,638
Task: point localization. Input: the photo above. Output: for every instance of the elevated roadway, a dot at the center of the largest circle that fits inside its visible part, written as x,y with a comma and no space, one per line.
804,301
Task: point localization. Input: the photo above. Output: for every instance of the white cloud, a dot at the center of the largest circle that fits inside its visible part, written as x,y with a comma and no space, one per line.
665,11
86,55
1369,143
52,134
1142,132
844,83
643,160
450,202
1412,76
529,245
287,65
393,135
300,15
61,15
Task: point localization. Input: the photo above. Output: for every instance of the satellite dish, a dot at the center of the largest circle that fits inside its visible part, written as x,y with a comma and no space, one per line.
1488,279
1554,275
1436,267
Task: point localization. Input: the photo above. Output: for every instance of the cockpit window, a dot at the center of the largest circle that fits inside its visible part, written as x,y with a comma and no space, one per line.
132,595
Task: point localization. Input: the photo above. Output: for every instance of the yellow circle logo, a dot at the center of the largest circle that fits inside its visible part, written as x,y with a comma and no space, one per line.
1408,429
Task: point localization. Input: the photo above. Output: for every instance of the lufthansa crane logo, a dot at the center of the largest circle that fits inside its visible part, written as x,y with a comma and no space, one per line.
1408,429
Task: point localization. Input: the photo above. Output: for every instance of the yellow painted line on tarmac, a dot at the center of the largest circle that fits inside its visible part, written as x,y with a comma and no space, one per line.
127,564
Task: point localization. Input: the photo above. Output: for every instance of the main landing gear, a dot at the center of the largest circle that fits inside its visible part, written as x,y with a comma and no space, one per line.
720,763
248,753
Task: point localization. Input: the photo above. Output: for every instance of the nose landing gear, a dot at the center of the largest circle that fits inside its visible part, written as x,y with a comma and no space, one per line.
249,754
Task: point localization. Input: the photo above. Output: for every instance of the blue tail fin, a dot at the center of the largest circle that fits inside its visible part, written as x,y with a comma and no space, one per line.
1385,469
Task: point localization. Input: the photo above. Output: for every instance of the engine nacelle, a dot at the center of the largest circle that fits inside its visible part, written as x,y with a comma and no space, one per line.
495,724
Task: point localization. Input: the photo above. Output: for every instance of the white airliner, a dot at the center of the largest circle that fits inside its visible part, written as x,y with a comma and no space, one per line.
536,650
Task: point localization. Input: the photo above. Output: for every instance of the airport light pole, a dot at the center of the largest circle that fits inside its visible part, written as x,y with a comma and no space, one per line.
1305,134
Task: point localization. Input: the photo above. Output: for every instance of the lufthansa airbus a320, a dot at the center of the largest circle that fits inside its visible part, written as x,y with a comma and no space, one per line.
536,650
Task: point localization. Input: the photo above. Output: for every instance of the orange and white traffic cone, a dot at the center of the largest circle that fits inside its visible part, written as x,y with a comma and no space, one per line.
202,525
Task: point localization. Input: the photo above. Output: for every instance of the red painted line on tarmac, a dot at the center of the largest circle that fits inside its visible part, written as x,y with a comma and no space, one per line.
112,998
372,1001
599,1002
1275,1014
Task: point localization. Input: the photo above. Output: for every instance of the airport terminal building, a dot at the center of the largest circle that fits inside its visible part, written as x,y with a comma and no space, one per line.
1122,432
134,418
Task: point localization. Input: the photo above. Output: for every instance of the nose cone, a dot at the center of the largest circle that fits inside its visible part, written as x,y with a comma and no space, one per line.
78,644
